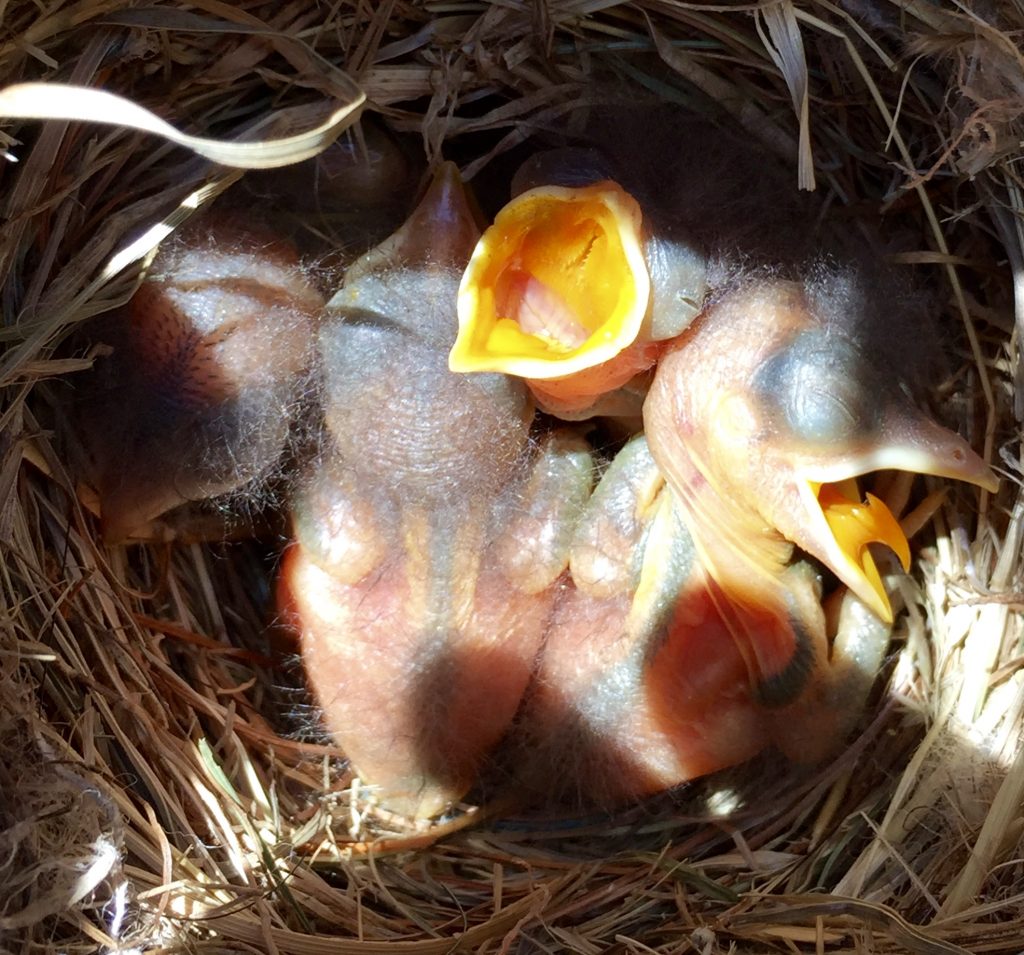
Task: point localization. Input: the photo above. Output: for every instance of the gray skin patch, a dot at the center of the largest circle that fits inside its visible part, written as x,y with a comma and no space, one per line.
647,628
818,389
784,687
406,424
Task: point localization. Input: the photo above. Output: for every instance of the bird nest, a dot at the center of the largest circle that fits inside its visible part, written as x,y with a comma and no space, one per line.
163,785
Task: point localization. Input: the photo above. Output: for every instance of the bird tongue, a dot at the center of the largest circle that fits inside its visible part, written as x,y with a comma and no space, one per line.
539,310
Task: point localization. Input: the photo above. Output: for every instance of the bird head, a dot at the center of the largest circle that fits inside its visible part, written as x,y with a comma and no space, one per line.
765,415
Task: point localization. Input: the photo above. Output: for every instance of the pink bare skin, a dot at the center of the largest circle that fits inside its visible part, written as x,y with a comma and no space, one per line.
210,361
774,394
651,675
419,617
207,367
456,581
695,635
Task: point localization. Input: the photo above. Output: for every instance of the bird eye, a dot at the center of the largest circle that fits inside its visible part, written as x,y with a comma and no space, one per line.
818,386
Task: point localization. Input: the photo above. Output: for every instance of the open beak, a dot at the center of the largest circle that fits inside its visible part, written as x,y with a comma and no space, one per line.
765,416
846,525
556,286
840,523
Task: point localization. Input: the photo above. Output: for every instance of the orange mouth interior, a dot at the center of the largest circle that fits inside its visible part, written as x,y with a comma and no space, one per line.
856,523
558,284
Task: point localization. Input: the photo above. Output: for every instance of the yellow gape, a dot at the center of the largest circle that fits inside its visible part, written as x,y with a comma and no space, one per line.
854,525
557,285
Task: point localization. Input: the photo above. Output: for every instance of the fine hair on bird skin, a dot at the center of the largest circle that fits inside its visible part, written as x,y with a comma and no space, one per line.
445,586
208,804
210,365
249,235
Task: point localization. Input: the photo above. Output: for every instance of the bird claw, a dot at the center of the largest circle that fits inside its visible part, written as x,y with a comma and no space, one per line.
533,546
605,559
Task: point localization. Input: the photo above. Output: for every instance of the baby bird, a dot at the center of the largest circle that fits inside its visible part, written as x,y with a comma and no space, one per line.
606,252
694,634
456,580
210,361
766,411
431,532
642,682
207,365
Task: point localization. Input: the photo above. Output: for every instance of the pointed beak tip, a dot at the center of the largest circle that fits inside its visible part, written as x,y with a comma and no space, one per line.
990,481
443,228
870,592
869,589
448,188
883,612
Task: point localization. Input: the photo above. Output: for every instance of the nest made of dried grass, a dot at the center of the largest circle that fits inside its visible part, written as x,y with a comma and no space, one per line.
155,791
